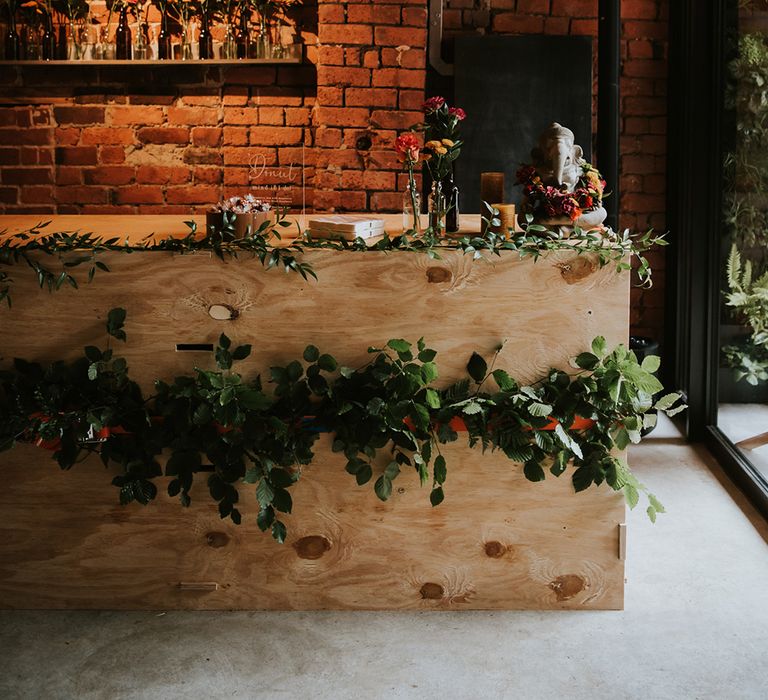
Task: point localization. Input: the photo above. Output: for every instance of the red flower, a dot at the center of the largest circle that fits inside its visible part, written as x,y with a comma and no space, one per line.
525,174
433,104
457,112
407,147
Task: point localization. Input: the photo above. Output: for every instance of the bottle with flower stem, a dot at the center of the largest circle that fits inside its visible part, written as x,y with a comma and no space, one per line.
412,209
264,42
437,208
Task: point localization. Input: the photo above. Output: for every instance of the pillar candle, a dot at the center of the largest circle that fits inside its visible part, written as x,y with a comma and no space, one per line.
506,219
491,188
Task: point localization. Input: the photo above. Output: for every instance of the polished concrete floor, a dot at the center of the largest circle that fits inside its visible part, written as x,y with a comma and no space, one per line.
695,626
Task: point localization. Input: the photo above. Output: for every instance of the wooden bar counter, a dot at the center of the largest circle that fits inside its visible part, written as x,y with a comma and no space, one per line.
497,542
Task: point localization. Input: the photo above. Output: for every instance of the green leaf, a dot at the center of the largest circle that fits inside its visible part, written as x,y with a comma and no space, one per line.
504,381
374,405
427,355
477,368
436,497
264,493
587,361
241,352
327,363
278,531
364,474
224,341
651,363
540,410
429,372
254,400
399,345
392,470
383,487
433,398
282,501
92,353
631,495
599,346
533,471
265,518
472,408
440,469
311,353
115,323
93,371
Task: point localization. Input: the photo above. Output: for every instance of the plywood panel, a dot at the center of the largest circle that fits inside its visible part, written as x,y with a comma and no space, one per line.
457,304
498,542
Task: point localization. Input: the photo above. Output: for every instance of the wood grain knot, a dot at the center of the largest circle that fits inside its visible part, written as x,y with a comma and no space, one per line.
223,312
216,539
567,586
495,550
577,269
436,275
432,591
311,547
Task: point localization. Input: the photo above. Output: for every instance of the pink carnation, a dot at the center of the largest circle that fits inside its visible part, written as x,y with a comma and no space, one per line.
433,104
457,112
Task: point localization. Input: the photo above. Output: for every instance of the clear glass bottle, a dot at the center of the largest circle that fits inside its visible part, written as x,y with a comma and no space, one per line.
412,210
437,208
452,214
264,42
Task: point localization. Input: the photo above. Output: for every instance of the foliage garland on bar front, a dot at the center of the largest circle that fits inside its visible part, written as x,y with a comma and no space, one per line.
83,249
248,435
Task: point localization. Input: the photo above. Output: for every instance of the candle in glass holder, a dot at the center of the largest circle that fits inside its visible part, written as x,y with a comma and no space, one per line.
491,188
506,217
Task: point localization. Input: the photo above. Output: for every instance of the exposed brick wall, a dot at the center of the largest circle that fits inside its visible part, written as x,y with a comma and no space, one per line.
176,139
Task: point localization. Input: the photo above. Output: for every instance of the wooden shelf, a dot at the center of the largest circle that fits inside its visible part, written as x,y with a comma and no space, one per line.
289,60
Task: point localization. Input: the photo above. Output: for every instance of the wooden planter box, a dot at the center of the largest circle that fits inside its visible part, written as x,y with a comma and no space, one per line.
497,542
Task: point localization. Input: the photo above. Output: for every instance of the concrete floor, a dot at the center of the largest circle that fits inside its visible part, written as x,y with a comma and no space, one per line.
695,626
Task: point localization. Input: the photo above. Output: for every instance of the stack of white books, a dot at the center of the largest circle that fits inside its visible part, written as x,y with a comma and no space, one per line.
345,226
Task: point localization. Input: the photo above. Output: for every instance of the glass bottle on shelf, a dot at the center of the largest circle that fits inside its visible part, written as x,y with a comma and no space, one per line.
12,43
437,208
123,37
228,43
452,214
243,37
164,39
61,43
204,39
48,41
412,209
141,47
264,42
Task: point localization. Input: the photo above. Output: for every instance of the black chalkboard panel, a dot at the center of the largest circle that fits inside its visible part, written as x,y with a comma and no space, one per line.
512,88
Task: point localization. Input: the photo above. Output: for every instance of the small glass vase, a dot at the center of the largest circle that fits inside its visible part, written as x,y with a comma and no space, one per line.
141,47
77,42
437,208
452,214
229,44
264,42
412,210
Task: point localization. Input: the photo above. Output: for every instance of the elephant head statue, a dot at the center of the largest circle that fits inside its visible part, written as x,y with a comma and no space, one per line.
557,157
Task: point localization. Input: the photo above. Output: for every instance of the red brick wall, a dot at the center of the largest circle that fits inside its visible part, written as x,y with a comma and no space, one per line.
177,139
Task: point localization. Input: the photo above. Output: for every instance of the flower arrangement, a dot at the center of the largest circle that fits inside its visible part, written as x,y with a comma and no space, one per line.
441,134
547,201
247,204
